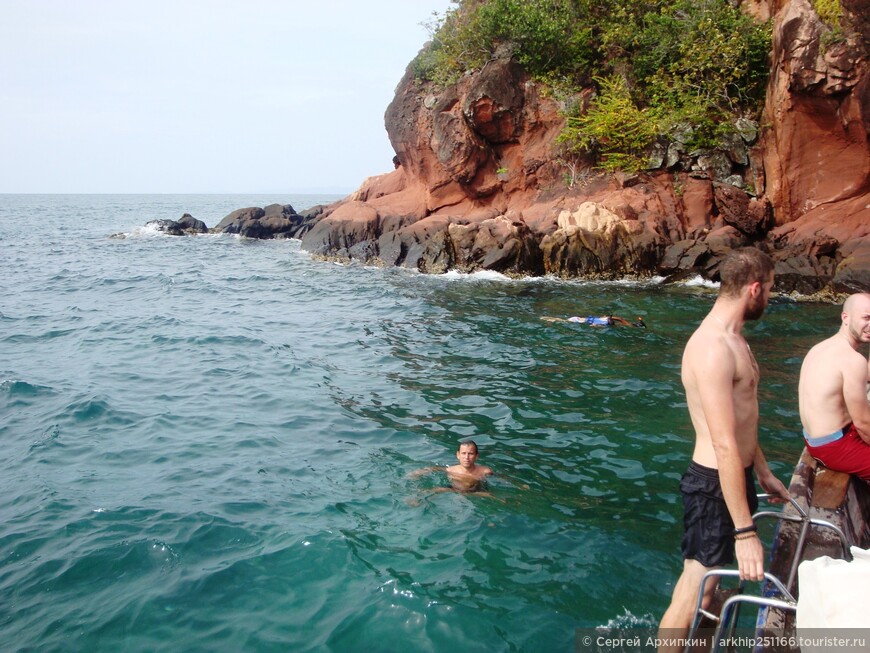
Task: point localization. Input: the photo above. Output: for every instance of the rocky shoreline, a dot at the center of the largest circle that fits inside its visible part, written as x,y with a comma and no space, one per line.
480,183
472,247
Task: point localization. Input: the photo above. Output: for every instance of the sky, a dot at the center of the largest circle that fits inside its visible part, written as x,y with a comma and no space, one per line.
201,96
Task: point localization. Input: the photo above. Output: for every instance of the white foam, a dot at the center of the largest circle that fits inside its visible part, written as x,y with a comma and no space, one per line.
479,275
149,230
628,620
700,282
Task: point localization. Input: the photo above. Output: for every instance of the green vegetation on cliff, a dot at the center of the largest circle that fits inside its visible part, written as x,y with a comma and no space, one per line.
829,11
657,66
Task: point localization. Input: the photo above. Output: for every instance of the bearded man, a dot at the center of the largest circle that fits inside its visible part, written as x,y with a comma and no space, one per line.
720,377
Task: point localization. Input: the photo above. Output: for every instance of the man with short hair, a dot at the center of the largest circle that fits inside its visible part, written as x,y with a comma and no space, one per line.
832,394
720,377
467,476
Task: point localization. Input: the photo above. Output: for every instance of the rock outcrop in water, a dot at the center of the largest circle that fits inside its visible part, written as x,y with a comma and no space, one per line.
273,221
187,225
480,182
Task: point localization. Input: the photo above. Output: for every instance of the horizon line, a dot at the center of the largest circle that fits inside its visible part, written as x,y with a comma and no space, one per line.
266,192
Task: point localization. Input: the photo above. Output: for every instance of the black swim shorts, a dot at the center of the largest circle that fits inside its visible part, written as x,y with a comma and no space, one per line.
709,530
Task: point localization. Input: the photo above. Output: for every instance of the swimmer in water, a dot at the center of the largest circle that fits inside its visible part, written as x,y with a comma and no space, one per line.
601,320
467,476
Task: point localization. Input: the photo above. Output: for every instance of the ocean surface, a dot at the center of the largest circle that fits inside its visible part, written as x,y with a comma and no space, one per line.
206,441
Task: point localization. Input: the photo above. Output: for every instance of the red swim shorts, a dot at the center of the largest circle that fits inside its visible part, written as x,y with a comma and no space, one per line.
848,454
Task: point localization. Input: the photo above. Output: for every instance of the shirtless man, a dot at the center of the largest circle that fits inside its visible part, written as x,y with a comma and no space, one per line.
720,377
832,393
467,476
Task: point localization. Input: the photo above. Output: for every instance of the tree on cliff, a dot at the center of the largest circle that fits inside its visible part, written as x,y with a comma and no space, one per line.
658,66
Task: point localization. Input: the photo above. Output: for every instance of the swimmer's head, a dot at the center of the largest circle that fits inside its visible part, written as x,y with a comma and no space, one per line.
468,443
467,454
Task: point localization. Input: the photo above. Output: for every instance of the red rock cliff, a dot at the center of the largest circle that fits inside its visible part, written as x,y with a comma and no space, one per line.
480,183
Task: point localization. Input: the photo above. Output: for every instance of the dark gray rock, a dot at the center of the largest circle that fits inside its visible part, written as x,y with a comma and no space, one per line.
191,225
187,225
275,221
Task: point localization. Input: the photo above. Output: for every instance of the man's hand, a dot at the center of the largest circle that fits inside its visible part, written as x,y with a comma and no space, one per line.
774,487
750,558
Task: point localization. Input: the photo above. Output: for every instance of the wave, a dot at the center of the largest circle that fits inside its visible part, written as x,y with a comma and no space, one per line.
699,282
19,388
155,230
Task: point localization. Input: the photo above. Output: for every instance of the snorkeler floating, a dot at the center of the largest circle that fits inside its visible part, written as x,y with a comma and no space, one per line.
600,321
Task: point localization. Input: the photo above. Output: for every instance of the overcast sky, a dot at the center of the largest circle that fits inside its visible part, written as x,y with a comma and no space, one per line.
200,96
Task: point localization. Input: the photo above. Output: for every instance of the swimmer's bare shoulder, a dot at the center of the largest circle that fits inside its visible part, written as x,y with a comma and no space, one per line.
468,480
479,472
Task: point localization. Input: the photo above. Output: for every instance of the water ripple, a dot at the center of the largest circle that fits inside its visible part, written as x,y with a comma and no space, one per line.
207,443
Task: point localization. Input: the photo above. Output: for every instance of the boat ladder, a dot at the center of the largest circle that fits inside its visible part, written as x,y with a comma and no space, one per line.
726,620
806,523
777,595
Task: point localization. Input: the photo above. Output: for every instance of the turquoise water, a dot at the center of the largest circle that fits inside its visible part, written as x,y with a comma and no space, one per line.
206,442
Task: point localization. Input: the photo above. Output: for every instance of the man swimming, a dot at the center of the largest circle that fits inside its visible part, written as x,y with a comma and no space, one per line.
467,476
599,321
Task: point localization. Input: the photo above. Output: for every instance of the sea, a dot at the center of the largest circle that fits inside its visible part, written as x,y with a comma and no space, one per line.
207,443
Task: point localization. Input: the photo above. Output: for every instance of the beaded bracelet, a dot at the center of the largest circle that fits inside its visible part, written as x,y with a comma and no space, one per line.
745,536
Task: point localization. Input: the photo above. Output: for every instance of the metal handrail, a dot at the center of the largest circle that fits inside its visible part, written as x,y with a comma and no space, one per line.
733,602
721,619
806,522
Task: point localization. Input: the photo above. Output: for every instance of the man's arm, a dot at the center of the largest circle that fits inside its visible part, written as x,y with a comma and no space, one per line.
768,482
855,370
868,380
716,389
425,470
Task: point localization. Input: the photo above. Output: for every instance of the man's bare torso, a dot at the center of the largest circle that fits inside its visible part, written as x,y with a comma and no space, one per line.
742,412
467,480
820,389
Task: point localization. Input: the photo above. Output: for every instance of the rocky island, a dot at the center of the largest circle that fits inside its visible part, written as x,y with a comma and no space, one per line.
481,182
